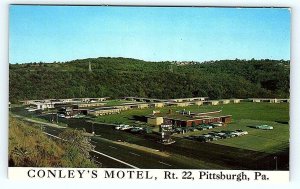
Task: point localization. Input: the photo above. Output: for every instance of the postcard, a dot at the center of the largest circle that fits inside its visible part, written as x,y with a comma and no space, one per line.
149,93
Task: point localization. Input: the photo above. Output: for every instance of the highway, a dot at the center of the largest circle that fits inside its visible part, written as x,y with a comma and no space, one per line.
110,154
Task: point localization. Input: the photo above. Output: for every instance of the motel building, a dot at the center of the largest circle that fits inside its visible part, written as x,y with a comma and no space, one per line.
104,111
190,119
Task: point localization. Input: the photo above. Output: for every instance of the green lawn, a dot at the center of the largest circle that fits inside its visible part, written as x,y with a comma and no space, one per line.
247,110
123,117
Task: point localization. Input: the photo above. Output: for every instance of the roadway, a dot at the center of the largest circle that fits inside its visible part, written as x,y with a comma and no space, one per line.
110,154
182,154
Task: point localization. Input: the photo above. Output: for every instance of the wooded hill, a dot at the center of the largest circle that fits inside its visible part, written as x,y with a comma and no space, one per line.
118,77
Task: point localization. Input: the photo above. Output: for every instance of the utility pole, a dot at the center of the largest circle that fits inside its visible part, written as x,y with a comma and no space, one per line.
275,157
90,67
93,132
171,68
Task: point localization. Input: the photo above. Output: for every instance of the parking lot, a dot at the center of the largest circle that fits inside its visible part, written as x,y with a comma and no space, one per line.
216,135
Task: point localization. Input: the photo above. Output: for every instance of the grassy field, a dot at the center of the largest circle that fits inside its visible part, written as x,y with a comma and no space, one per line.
253,111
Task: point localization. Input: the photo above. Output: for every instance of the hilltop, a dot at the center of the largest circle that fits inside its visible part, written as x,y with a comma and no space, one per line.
118,77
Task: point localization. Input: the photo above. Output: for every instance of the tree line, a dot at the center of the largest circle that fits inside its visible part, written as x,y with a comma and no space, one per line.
119,77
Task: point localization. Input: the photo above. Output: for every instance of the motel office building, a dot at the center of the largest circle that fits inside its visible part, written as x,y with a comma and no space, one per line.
152,120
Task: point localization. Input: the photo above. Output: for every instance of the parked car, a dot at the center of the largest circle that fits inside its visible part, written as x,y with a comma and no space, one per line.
119,126
230,135
213,134
126,127
264,127
202,128
208,126
218,124
192,129
242,132
203,138
220,134
136,129
209,137
191,137
235,134
217,137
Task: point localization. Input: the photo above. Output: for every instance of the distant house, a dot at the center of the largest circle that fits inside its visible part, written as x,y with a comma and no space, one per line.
225,101
141,106
157,104
211,102
199,103
236,101
270,100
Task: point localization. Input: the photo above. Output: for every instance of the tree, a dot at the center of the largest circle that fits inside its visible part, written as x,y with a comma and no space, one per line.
119,77
76,138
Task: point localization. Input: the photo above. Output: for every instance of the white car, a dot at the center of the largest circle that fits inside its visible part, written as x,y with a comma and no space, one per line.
236,133
218,124
242,132
126,127
119,127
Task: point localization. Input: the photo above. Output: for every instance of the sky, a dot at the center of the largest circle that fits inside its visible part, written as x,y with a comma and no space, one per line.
63,33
